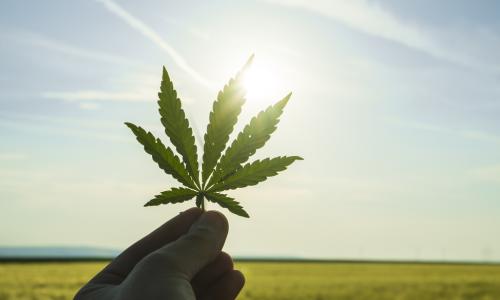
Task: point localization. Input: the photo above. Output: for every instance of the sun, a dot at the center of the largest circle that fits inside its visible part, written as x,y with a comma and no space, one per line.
263,83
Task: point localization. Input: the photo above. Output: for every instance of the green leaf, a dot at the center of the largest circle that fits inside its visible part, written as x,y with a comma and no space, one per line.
222,168
222,119
255,172
163,156
174,195
177,127
254,136
227,202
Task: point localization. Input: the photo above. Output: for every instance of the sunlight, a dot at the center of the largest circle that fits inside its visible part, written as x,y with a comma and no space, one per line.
263,83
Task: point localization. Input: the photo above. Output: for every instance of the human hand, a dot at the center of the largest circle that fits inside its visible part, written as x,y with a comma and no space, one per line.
181,260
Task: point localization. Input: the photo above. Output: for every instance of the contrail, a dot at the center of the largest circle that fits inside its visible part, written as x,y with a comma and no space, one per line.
148,32
373,19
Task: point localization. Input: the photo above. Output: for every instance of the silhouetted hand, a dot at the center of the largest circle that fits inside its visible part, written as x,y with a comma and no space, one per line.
181,260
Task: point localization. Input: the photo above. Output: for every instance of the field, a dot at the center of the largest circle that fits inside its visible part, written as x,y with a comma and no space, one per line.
290,281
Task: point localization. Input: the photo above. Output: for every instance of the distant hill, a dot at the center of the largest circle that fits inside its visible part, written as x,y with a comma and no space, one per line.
57,252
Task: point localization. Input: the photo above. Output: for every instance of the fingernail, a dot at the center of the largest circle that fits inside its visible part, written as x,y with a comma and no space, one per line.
192,209
213,219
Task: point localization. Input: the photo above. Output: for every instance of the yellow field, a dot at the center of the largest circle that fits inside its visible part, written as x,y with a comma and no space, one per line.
290,281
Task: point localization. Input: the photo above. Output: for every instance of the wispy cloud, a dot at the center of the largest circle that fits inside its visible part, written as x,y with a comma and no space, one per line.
10,156
126,87
153,36
480,136
57,121
472,134
371,18
87,99
51,125
64,131
96,95
199,33
488,173
195,31
41,41
89,106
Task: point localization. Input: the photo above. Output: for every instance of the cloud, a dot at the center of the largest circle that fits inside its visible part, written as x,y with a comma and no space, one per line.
57,121
476,135
199,33
153,36
480,136
50,125
96,95
193,30
87,98
488,173
41,41
126,87
370,18
7,156
89,106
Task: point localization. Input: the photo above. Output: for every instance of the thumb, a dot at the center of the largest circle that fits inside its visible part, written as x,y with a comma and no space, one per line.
197,248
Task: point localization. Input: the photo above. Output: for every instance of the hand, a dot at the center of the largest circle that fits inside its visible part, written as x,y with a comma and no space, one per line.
181,260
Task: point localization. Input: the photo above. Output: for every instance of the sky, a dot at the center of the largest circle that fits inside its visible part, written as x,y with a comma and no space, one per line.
395,110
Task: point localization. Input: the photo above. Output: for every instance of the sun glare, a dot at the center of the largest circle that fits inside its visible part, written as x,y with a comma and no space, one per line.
263,84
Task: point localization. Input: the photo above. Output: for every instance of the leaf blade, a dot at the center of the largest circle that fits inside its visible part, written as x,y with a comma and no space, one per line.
255,172
174,195
177,126
224,115
227,202
254,136
163,156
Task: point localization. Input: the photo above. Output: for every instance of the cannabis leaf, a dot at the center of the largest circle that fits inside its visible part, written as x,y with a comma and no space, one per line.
223,117
255,172
177,127
220,170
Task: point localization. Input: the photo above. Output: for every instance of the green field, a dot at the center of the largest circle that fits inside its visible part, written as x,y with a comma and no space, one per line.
290,281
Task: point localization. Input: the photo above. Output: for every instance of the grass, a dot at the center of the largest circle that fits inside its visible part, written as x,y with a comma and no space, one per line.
290,281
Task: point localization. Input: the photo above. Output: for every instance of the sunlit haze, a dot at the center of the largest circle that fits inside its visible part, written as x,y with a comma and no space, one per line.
264,84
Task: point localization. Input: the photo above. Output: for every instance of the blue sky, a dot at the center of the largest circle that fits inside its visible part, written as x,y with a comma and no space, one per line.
395,109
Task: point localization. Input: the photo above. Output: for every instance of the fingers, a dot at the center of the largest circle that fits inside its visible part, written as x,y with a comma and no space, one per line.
226,288
211,273
193,251
119,268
